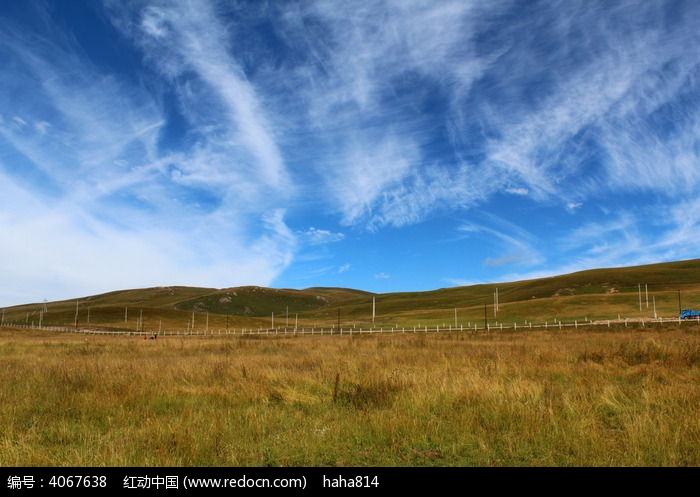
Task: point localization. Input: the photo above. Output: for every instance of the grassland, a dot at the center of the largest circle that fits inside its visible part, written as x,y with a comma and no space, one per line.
612,397
603,396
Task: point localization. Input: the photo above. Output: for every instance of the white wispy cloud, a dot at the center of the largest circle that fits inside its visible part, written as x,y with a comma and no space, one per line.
144,255
344,268
367,172
42,126
382,276
609,85
367,56
89,171
372,153
508,259
463,282
620,241
678,225
517,191
315,236
381,113
19,122
533,142
181,37
609,238
515,244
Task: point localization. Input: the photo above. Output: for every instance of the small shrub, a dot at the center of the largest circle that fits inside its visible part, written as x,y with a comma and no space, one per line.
595,356
634,353
374,394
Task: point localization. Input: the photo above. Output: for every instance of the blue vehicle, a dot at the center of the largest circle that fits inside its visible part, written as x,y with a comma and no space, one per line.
689,314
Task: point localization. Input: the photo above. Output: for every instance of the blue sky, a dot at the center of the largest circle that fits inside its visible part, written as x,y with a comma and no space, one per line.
379,145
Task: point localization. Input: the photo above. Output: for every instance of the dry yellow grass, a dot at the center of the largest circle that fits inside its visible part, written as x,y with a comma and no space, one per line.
609,398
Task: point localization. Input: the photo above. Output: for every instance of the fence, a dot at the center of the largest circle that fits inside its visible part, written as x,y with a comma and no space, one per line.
286,331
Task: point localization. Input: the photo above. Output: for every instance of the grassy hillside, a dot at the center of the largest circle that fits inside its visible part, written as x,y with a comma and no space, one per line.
594,294
259,301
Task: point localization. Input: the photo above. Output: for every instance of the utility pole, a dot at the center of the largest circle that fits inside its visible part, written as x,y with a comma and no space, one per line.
126,314
374,308
679,301
639,288
296,321
486,321
140,320
338,318
654,297
88,320
76,314
273,320
646,292
455,317
287,323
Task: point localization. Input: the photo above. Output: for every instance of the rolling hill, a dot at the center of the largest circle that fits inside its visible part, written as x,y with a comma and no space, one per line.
585,295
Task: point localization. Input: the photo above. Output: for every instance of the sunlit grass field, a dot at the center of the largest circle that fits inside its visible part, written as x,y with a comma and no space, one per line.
608,397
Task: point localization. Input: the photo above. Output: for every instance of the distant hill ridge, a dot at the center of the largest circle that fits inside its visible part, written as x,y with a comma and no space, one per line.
603,292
